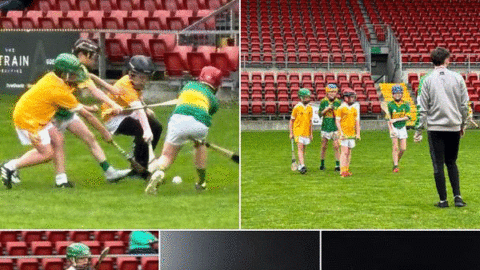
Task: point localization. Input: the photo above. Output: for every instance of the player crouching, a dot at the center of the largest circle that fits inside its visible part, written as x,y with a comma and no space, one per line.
33,115
301,126
400,112
329,130
190,120
79,257
348,123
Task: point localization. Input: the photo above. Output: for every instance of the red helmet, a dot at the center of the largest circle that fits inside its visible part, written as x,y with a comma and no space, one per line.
348,92
211,75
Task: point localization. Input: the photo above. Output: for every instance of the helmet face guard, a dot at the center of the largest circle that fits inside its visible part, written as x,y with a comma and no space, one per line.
304,94
68,67
79,256
349,96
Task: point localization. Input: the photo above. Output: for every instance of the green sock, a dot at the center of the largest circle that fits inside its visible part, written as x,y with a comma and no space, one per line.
322,162
104,165
201,175
337,163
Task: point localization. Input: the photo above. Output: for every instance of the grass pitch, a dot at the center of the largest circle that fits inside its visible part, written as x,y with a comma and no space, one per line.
95,204
373,198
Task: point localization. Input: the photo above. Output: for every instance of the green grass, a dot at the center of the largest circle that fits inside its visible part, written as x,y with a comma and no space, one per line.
275,197
36,204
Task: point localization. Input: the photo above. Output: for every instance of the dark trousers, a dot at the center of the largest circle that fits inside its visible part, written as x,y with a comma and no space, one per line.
132,127
444,150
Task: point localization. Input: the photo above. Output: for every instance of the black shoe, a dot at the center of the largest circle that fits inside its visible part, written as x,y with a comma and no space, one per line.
459,202
65,185
7,175
303,170
337,169
443,204
322,167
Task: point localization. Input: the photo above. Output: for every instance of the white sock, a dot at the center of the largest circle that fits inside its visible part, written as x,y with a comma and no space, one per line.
110,171
11,165
61,178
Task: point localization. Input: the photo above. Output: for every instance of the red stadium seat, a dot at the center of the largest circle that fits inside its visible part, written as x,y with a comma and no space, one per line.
115,21
30,20
221,61
79,236
14,16
6,264
149,263
29,236
115,50
52,264
127,263
87,5
95,246
103,236
42,248
174,65
157,49
93,20
139,45
136,21
55,236
8,236
71,21
376,107
27,264
16,248
116,247
172,4
233,56
61,247
196,61
124,236
210,23
107,263
158,21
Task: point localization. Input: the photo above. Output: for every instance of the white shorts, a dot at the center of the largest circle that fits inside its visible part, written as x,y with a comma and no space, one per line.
303,140
400,133
24,135
350,143
332,135
114,122
182,128
62,125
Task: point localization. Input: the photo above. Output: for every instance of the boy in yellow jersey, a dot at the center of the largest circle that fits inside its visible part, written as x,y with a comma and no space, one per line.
190,120
348,123
400,113
301,126
33,115
140,124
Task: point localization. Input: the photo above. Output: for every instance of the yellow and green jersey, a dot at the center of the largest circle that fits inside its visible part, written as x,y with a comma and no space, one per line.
198,100
328,122
399,110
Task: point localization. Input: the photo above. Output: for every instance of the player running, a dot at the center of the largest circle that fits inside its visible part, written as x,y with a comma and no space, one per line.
348,123
141,124
399,112
33,115
300,126
190,120
78,257
329,131
87,53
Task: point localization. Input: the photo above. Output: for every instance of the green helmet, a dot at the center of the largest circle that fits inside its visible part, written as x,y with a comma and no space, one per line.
78,251
69,63
303,92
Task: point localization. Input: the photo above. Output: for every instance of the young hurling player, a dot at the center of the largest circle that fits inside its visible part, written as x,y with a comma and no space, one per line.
329,130
399,112
300,126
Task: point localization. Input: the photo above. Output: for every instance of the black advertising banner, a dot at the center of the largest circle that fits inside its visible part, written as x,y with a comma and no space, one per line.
25,56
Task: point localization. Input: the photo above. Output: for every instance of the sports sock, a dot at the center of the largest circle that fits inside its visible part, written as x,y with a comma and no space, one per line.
104,165
11,165
337,163
322,162
61,178
201,175
344,169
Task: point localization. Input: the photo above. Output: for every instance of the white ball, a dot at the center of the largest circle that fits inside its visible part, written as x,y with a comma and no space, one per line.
177,180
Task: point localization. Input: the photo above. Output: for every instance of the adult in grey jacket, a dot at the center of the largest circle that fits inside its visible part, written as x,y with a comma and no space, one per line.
443,108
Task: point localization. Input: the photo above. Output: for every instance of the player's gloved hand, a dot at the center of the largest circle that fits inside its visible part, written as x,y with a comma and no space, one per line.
147,135
107,136
418,136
